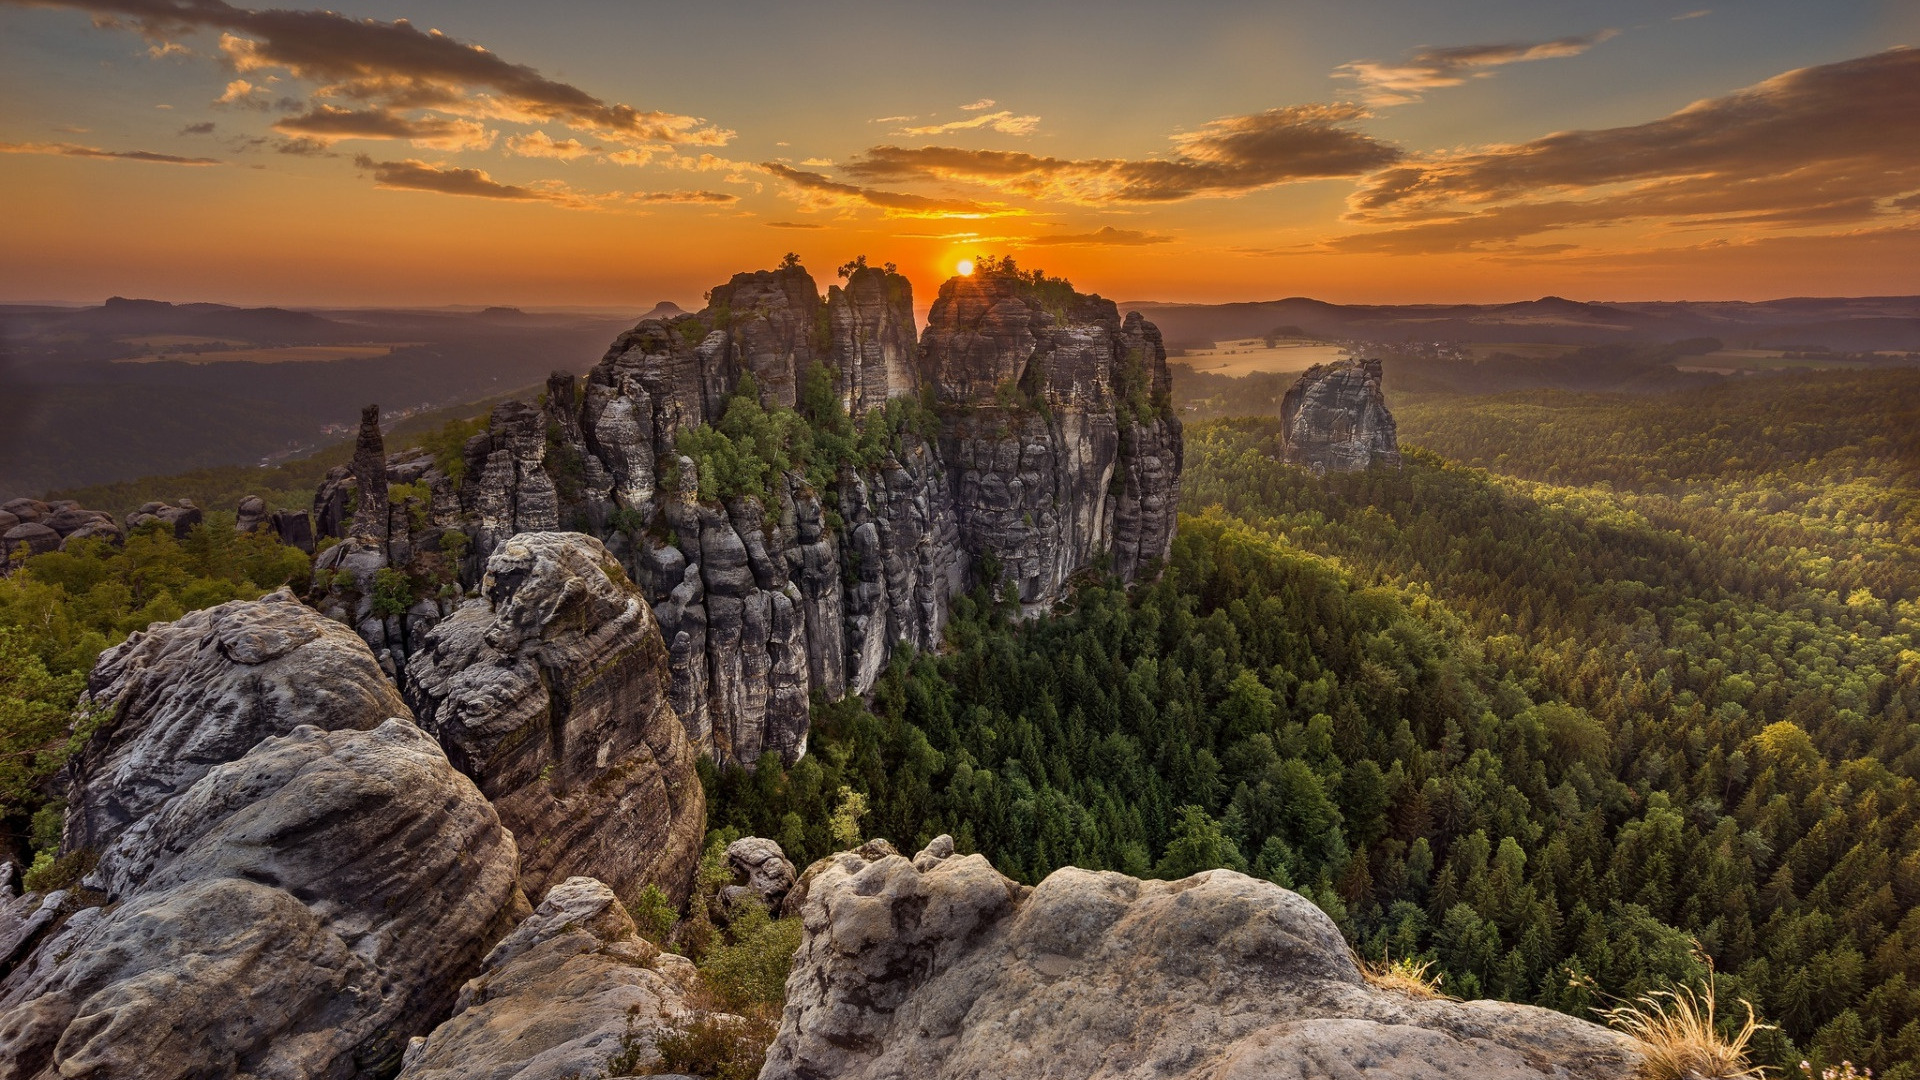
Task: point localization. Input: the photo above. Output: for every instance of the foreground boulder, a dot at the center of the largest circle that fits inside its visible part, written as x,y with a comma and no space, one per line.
183,697
941,967
298,912
1335,418
570,989
551,691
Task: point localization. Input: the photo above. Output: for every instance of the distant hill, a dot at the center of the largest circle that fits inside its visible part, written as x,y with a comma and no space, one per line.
1840,323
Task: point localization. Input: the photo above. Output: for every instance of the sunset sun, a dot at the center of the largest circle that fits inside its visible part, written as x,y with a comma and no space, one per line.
965,268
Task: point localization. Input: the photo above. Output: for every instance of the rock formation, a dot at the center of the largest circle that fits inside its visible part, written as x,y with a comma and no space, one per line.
297,912
1050,447
760,870
940,967
181,519
551,692
42,527
186,696
1335,418
570,988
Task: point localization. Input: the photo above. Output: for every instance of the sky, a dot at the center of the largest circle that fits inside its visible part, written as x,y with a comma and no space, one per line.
615,153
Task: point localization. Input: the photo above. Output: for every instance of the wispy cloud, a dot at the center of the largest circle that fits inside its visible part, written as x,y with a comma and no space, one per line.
983,103
414,175
1229,156
76,150
1815,146
821,192
694,198
1108,236
1004,122
1382,83
329,124
538,144
793,225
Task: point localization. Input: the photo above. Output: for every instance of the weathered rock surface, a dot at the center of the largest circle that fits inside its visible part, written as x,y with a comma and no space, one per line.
761,869
552,691
33,537
298,912
192,694
1335,418
1054,448
571,987
181,519
250,515
940,967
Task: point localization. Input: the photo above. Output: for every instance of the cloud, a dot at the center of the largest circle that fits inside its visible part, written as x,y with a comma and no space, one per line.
1003,122
539,144
792,225
1229,156
1816,145
329,124
76,150
1105,236
413,175
823,193
205,127
396,66
1426,69
1701,14
243,94
983,103
891,119
697,198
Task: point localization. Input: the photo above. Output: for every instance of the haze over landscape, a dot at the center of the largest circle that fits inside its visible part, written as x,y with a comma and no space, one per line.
972,542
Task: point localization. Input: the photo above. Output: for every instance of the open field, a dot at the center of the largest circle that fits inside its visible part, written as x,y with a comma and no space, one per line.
1531,350
1245,356
1736,361
280,354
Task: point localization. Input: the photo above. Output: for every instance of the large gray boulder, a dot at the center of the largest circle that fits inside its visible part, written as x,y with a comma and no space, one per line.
298,912
183,697
941,967
551,691
570,988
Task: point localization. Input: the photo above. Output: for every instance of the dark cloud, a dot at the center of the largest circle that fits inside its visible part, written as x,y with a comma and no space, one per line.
394,65
1107,235
411,175
1431,68
328,123
1229,156
205,127
1834,143
76,150
823,191
698,198
792,225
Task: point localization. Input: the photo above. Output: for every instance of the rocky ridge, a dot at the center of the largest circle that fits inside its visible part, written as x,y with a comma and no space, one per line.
1032,437
1335,418
938,966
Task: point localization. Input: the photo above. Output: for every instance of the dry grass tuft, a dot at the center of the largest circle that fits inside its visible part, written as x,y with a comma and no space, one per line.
1678,1039
1416,980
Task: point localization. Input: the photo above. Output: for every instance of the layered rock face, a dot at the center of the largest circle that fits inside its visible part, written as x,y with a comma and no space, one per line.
1051,447
1335,418
551,691
569,989
940,967
295,912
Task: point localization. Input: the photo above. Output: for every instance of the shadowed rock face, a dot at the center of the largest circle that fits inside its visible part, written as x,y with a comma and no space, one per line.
940,967
551,691
296,912
1054,447
1335,418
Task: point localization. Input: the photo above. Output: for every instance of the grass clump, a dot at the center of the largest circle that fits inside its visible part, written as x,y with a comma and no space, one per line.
1680,1039
1415,979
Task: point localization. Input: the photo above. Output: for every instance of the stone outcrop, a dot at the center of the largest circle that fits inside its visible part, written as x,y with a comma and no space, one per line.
181,519
1335,418
760,871
572,987
184,697
42,527
939,967
1050,447
296,912
551,690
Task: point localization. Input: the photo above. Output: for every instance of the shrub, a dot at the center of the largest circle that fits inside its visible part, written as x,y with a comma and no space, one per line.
653,914
752,968
392,592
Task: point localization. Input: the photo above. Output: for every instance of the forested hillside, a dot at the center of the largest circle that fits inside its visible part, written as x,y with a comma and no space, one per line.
1546,736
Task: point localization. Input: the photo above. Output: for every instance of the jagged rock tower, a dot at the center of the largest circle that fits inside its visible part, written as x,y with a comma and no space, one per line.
1028,434
1335,418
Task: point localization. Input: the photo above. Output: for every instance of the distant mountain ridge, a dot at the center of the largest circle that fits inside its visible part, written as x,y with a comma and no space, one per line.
1841,323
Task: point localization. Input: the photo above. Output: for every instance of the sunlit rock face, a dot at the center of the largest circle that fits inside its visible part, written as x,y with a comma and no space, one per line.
1031,438
940,967
1335,419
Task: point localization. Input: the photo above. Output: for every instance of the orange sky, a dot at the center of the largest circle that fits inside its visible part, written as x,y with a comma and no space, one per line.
189,150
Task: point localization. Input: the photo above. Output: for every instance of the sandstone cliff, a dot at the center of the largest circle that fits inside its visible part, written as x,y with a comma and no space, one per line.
940,967
1335,418
1031,438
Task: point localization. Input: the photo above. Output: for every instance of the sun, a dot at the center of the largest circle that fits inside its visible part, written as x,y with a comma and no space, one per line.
965,267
